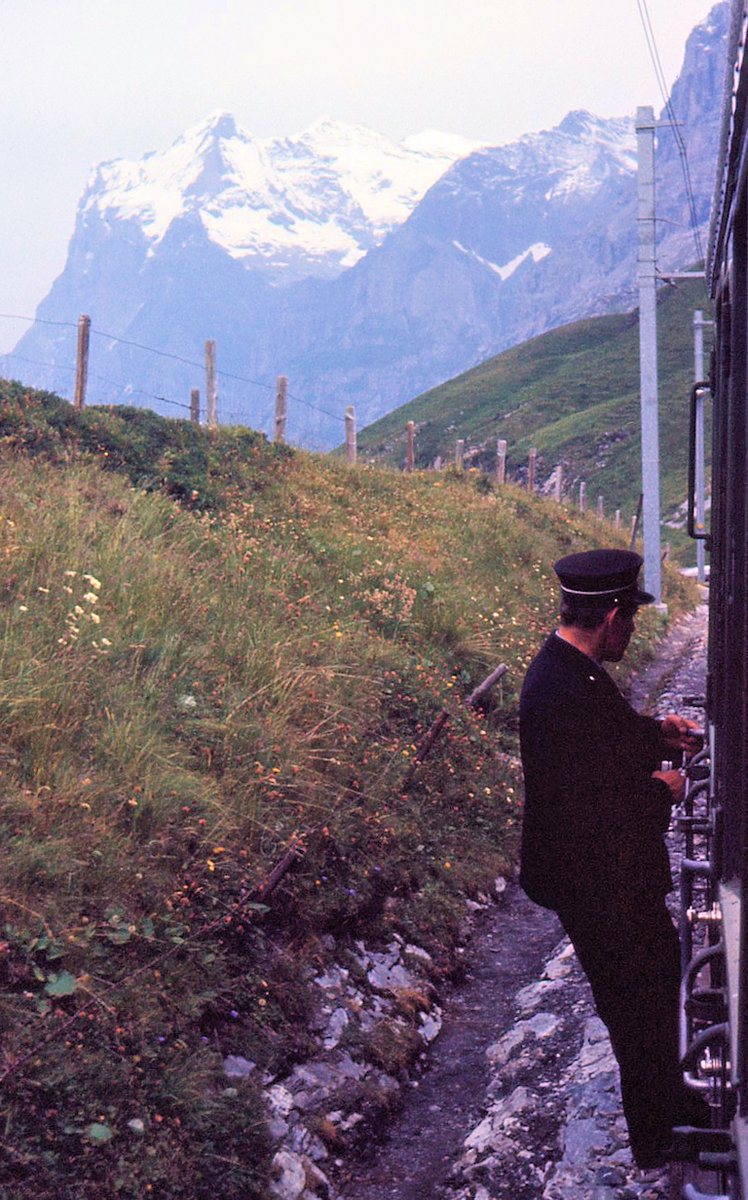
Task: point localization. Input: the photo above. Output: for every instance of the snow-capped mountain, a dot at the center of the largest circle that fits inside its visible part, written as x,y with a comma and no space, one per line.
504,204
364,270
305,206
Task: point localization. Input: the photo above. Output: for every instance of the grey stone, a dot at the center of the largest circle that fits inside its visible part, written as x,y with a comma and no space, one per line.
290,1174
535,994
333,980
280,1099
581,1136
236,1067
419,953
335,1029
386,976
561,964
302,1141
500,1116
542,1025
431,1024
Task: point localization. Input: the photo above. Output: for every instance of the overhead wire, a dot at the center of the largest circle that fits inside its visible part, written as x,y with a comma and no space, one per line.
682,151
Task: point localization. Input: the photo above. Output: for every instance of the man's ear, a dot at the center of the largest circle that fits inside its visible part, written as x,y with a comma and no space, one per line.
612,617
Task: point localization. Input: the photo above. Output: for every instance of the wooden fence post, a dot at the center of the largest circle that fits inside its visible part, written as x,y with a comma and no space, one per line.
459,448
281,409
410,433
195,406
350,435
582,496
618,518
557,483
600,510
211,392
531,463
501,461
81,363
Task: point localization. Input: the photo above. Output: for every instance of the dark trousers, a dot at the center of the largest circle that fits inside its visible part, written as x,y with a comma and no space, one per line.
632,962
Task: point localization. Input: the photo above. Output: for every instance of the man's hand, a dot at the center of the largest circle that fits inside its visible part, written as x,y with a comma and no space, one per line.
679,733
675,780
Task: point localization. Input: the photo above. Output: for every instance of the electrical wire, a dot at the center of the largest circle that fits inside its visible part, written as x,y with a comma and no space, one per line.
662,84
228,375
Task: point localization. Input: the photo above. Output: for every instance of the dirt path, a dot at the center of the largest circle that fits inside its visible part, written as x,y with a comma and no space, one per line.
510,945
545,1122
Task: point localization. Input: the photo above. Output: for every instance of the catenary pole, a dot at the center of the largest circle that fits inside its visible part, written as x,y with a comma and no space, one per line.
647,280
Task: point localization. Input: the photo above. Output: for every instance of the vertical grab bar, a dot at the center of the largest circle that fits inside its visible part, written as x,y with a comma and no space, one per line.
698,535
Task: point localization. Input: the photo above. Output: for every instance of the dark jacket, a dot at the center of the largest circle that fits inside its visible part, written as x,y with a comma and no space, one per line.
594,818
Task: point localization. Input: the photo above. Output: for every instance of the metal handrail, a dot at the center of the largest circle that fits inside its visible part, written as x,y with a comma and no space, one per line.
697,535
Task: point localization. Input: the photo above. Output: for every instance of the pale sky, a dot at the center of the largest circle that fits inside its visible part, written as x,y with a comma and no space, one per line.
82,81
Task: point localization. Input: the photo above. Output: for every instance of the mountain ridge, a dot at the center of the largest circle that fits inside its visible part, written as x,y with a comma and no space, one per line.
465,276
318,199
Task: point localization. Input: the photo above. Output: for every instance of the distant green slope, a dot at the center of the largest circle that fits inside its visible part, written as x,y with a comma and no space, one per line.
573,394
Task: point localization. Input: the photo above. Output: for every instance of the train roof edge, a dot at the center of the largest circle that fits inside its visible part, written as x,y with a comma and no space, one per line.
733,115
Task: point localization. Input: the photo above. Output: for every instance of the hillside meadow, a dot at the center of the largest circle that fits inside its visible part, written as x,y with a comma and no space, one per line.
573,395
213,649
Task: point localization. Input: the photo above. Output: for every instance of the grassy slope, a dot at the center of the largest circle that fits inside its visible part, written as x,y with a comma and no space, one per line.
210,644
573,394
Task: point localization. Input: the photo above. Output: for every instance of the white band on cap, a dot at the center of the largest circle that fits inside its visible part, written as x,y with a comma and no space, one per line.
606,592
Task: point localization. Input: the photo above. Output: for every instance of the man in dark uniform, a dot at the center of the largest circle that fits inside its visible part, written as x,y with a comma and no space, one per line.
596,810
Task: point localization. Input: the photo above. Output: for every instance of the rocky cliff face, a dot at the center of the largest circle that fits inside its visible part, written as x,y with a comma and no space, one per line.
366,272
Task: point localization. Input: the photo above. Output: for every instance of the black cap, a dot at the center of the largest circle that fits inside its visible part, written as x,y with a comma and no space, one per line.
604,575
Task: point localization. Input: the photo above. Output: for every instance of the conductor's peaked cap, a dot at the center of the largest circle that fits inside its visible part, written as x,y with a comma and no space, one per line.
602,575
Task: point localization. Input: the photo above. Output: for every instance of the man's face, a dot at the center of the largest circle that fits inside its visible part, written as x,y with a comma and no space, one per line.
619,628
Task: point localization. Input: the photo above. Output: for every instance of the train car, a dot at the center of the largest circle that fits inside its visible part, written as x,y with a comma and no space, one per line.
715,821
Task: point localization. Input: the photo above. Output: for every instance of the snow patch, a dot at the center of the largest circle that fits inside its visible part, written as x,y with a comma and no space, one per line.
538,251
324,196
